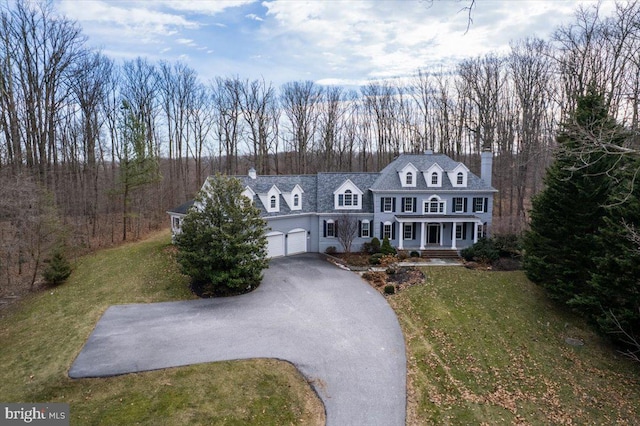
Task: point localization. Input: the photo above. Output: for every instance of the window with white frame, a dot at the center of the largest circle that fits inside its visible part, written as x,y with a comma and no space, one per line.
296,200
481,230
434,205
365,229
479,205
434,178
272,202
387,204
408,204
458,204
458,231
176,223
407,232
409,178
331,229
387,230
460,178
348,199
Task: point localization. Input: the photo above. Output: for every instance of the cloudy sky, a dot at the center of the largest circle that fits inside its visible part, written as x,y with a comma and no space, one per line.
326,41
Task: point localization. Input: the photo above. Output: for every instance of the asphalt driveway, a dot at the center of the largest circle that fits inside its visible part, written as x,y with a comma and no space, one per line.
330,324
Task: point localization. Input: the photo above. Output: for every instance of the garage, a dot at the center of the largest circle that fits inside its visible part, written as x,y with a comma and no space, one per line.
275,244
296,241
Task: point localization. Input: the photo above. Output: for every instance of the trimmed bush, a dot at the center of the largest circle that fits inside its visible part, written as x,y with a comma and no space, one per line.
375,258
386,247
371,247
484,251
389,289
414,254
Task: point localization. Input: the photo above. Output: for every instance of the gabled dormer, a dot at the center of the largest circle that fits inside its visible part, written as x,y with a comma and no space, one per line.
458,176
271,199
294,198
408,176
347,197
433,176
249,193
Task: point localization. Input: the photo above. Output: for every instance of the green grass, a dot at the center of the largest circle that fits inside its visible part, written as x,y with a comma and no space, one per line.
42,334
489,348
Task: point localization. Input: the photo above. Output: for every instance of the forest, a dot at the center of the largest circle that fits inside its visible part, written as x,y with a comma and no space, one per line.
93,151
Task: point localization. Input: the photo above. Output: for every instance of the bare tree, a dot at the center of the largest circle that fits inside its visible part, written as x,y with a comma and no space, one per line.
346,231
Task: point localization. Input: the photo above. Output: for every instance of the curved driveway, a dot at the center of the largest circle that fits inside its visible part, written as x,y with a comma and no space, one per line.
338,331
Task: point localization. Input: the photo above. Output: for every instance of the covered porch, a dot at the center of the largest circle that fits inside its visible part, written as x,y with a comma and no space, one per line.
426,232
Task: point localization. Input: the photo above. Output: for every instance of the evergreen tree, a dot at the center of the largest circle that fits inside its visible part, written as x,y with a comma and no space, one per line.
613,300
58,269
222,246
561,245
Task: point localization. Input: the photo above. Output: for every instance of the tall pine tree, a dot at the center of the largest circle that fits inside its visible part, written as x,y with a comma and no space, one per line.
562,243
222,246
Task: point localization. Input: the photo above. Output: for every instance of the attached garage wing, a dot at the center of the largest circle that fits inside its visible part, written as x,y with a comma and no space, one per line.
296,241
275,244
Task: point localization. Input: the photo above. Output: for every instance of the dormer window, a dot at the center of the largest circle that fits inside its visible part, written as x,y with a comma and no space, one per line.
409,178
434,178
348,196
271,199
460,178
272,202
296,200
408,175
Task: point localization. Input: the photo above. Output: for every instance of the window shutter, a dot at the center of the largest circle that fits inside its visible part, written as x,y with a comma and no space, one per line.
402,204
359,229
393,230
465,208
324,228
382,204
413,233
335,228
393,204
486,205
415,203
464,231
381,230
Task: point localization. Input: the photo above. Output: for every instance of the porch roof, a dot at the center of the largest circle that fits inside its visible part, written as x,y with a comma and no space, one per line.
437,218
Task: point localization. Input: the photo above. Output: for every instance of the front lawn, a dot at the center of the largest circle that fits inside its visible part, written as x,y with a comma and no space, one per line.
42,334
489,348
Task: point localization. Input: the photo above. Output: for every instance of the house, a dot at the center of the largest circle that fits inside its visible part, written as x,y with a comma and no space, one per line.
419,201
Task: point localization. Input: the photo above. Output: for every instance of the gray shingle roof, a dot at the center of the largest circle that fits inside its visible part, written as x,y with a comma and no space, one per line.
389,179
182,208
285,183
329,182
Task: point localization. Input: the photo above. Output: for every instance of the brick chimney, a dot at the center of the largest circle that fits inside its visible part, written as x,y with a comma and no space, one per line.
486,165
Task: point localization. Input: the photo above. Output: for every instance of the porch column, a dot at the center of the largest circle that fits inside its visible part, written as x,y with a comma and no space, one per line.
453,235
423,234
400,235
475,233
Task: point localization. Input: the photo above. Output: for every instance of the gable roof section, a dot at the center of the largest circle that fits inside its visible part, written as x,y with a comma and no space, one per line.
285,184
328,183
389,179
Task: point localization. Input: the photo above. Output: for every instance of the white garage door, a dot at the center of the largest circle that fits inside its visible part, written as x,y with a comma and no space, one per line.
297,241
275,244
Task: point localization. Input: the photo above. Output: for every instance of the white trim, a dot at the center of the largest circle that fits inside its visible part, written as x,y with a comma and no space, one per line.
356,194
435,168
409,168
453,176
442,205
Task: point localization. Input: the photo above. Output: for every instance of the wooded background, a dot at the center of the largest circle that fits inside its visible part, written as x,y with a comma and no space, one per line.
93,151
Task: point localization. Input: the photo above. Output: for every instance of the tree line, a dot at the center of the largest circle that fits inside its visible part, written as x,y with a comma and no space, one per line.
100,149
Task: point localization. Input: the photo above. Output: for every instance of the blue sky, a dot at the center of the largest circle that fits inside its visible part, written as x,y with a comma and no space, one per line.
329,42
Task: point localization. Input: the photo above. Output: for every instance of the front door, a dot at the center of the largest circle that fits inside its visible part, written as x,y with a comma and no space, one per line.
433,233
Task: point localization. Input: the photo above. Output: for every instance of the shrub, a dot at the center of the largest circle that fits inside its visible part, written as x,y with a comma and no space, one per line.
58,269
391,270
414,254
484,251
375,258
371,247
508,245
331,250
386,247
389,289
403,255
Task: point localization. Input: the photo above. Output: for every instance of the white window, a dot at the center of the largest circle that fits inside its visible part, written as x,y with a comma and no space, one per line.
347,197
408,231
386,230
176,223
478,205
272,202
481,230
458,204
434,178
387,204
434,205
409,178
408,204
331,228
460,178
365,228
296,200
